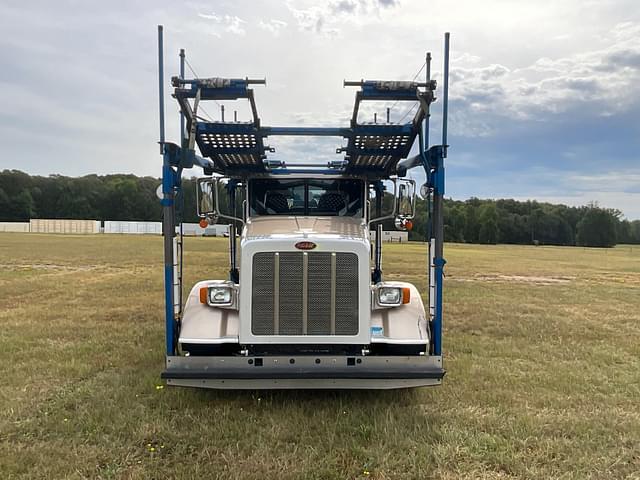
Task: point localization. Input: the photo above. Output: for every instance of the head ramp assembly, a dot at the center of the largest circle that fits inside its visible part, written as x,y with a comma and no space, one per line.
238,149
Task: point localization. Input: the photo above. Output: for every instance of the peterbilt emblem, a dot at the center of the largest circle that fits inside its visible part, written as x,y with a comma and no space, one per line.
305,245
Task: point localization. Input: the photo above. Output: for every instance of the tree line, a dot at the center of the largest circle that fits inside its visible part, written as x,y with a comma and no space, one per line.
128,197
532,222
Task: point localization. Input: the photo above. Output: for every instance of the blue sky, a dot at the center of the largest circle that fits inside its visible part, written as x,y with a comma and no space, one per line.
545,95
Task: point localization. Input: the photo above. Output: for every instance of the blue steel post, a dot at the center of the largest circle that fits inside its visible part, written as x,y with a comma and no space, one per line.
168,228
425,146
438,207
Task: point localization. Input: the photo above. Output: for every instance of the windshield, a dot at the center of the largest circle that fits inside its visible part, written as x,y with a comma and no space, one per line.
308,197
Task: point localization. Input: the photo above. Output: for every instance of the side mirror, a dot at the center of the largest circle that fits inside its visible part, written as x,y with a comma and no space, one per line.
406,199
206,197
209,206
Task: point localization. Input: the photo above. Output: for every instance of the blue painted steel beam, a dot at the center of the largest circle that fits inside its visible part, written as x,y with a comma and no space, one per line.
168,309
184,158
319,171
168,231
306,131
438,194
437,319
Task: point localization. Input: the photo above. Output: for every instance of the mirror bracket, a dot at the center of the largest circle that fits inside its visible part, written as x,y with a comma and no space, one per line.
393,213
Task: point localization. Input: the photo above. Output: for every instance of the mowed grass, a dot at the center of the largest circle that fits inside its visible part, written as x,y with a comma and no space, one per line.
542,349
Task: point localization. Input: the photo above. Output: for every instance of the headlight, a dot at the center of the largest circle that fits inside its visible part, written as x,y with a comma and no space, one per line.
389,296
392,296
219,295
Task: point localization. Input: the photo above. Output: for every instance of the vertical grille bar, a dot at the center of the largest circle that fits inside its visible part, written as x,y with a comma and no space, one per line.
305,292
291,293
333,294
346,294
319,293
276,294
262,294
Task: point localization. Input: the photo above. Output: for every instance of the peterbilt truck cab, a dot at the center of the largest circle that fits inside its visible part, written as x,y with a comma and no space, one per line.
305,279
306,303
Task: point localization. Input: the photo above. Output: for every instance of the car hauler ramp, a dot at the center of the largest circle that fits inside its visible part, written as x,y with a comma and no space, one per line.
238,148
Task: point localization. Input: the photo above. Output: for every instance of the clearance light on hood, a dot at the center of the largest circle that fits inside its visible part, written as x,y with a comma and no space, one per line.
305,245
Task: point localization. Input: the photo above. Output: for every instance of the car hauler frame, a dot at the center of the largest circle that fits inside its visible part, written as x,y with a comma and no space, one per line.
210,342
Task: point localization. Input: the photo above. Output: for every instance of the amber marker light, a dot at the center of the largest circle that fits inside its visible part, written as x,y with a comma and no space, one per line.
204,223
204,292
406,295
409,226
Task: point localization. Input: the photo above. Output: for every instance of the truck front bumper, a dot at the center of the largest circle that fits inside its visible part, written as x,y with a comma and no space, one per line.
304,372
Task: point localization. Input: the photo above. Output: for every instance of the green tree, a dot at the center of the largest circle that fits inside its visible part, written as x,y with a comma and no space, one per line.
597,228
634,228
454,223
488,218
471,221
5,205
23,206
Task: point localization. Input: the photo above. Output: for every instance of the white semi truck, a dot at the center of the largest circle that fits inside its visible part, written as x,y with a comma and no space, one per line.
305,303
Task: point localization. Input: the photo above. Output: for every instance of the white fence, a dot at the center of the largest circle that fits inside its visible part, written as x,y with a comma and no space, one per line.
155,228
135,228
42,225
22,227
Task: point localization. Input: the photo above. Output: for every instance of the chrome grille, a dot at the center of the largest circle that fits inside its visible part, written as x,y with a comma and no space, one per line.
346,294
319,297
262,293
290,298
304,293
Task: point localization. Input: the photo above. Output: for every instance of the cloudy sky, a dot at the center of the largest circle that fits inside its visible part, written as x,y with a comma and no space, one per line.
545,95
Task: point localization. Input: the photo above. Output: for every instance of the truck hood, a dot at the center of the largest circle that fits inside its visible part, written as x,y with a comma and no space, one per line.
305,227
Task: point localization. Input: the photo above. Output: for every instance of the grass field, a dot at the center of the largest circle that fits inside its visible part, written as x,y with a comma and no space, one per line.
542,348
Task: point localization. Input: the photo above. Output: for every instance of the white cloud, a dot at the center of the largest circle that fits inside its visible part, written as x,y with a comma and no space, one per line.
600,82
274,26
229,23
327,18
